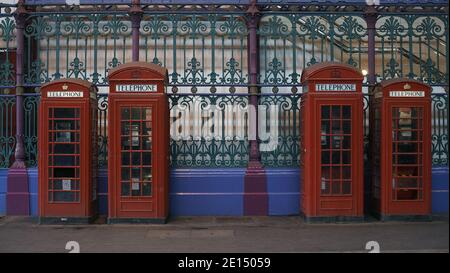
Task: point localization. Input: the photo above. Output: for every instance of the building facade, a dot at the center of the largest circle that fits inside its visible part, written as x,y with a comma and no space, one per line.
227,60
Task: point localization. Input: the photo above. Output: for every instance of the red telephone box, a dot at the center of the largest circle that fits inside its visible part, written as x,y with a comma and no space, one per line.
138,131
400,133
331,143
68,152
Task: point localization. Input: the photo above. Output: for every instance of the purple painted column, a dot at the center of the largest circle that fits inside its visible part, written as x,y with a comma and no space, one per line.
18,196
370,16
255,180
136,16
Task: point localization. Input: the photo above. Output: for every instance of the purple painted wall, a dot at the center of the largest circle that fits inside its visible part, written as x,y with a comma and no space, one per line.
439,192
33,187
283,187
219,192
206,192
103,192
3,190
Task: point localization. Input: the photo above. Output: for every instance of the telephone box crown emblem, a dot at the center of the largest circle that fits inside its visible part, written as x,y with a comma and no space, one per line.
407,87
65,87
335,73
135,74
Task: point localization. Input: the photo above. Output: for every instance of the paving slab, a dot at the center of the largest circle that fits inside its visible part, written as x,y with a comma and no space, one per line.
225,234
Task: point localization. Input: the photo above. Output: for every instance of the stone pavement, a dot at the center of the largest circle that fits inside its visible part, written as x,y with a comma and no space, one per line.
225,234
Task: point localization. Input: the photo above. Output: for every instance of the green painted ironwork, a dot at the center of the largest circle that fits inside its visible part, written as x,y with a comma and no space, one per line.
31,108
208,131
7,130
413,46
197,143
82,46
206,54
279,135
291,42
439,131
7,46
208,49
102,130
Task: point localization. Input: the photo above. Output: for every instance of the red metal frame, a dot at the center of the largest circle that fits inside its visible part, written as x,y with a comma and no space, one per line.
140,206
390,195
333,187
84,201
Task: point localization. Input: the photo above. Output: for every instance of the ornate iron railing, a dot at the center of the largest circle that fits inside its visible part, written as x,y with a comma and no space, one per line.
291,42
207,58
7,130
279,135
199,50
7,48
210,49
413,46
102,129
31,108
208,131
212,130
439,133
84,46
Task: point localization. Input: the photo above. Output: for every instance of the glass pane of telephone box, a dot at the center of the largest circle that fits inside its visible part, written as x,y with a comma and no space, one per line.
64,172
336,112
147,128
125,189
125,174
63,196
346,127
135,131
146,189
325,112
66,160
146,142
336,142
146,158
325,186
336,127
346,142
325,157
135,158
326,173
125,159
325,128
346,112
135,113
66,125
336,158
65,148
66,137
147,174
346,187
335,187
125,113
65,112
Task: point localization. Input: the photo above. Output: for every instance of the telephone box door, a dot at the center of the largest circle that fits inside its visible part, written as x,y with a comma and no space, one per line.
136,167
64,158
408,188
338,137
